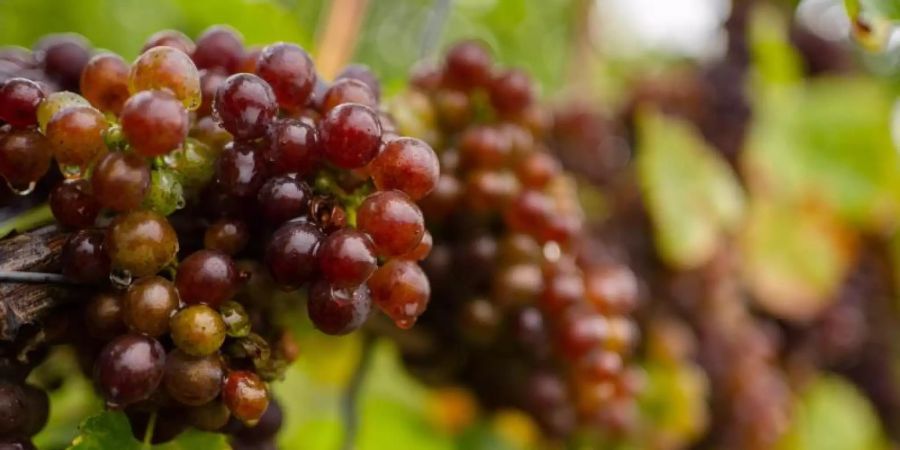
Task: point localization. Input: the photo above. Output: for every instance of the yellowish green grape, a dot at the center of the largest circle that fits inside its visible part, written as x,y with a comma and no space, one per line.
56,102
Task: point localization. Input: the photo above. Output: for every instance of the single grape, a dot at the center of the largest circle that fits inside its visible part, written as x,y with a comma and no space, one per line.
219,47
193,380
338,311
129,368
148,305
245,105
348,91
291,254
517,285
84,257
611,289
228,236
25,158
511,91
562,290
283,198
485,147
347,258
362,72
290,72
170,38
237,321
350,135
55,103
193,164
401,290
579,332
207,276
292,147
240,170
76,135
537,169
408,165
599,366
490,190
120,181
167,68
210,81
141,242
166,194
211,416
198,330
394,222
63,57
468,65
12,407
104,82
530,213
209,131
154,122
454,108
246,396
103,316
19,100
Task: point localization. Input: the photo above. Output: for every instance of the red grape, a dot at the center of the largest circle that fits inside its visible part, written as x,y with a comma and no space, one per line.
207,276
19,99
219,47
292,147
240,170
25,156
283,198
154,122
350,135
73,204
245,105
393,221
290,72
167,68
348,90
338,311
347,258
291,254
120,181
104,82
129,369
468,64
170,38
408,165
401,290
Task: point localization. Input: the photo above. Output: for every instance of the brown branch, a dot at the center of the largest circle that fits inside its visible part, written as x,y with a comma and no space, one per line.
337,41
25,303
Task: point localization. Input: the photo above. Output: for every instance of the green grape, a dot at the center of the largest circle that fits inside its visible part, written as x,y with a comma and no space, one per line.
237,321
165,195
193,164
55,103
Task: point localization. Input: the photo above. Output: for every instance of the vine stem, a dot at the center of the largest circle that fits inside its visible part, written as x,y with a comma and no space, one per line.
148,433
349,405
33,278
336,42
28,220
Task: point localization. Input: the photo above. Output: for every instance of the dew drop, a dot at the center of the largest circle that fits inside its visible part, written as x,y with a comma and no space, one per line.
120,278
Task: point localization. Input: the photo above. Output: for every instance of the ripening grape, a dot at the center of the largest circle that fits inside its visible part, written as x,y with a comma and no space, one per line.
250,61
120,181
347,258
154,122
207,276
350,135
167,68
148,305
422,250
348,91
84,258
246,396
76,135
129,369
393,221
193,380
104,82
485,147
166,194
25,157
170,38
245,105
103,315
408,165
537,169
193,164
198,330
612,289
290,72
141,242
219,47
338,311
55,103
19,100
401,290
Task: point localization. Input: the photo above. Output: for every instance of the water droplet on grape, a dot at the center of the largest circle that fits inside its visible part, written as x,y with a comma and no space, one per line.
22,190
120,278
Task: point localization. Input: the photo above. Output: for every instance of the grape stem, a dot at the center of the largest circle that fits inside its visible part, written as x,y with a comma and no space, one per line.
28,220
349,405
148,433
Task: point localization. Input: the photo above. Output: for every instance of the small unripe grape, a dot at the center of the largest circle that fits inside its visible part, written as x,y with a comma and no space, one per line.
129,369
166,194
84,257
408,165
55,103
207,276
393,221
103,315
73,204
141,242
226,235
219,47
245,105
338,311
167,68
120,181
76,134
246,396
104,82
170,38
154,122
347,258
19,100
350,135
25,158
290,72
194,164
193,380
198,330
236,319
149,303
401,290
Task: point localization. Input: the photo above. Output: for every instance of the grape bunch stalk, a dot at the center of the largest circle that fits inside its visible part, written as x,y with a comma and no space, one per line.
197,183
533,325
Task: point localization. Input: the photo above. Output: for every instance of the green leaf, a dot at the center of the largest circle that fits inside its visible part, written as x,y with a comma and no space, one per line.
111,430
833,415
674,403
693,197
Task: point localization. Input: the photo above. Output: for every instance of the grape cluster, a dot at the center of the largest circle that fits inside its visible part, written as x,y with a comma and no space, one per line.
532,327
200,180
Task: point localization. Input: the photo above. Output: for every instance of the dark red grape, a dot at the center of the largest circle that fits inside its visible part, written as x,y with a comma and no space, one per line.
290,72
468,64
25,156
19,99
394,222
129,368
63,57
170,38
240,170
219,47
283,198
292,147
338,311
154,122
511,91
103,315
207,276
12,407
350,135
121,181
347,258
291,254
266,428
245,105
84,258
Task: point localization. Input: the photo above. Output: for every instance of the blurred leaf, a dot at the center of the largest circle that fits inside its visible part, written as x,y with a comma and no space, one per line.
692,195
674,404
111,430
887,8
833,415
795,257
70,403
775,61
